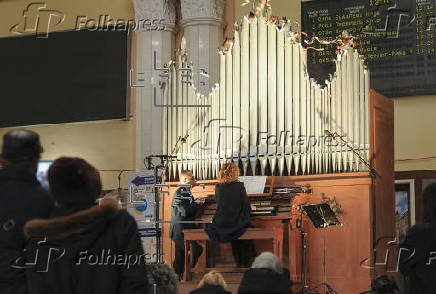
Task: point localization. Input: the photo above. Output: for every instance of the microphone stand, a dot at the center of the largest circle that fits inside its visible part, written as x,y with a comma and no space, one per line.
371,170
374,175
305,289
164,161
157,180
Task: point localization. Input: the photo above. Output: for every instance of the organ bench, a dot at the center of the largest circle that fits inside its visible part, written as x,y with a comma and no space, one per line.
276,235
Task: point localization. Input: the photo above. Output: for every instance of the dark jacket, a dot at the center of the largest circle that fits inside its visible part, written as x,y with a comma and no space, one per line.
183,208
232,217
93,250
22,199
265,281
418,259
210,289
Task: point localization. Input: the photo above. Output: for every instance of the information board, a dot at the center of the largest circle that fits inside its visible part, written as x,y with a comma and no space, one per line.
398,38
141,205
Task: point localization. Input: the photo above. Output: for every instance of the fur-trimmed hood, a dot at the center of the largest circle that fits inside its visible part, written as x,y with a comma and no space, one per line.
87,250
83,222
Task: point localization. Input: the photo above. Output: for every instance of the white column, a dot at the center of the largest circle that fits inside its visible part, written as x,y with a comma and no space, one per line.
202,23
145,77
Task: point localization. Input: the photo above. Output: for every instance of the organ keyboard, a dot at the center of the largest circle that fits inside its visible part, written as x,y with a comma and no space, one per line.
265,205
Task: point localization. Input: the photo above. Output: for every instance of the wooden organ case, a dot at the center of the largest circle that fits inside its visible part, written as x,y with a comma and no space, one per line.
270,118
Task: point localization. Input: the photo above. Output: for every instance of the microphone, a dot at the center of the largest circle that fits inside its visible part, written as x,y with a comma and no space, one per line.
329,134
184,139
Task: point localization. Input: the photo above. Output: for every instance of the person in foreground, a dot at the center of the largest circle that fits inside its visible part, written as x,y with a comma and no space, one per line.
184,207
22,198
85,248
161,279
212,283
417,253
266,276
232,217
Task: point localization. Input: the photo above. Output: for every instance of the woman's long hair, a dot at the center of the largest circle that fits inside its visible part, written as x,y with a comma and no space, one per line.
228,173
429,196
213,278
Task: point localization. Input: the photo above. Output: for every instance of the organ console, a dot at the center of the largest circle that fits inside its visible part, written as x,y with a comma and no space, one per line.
268,116
274,202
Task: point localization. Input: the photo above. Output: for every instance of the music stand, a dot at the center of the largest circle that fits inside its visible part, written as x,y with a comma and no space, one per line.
322,216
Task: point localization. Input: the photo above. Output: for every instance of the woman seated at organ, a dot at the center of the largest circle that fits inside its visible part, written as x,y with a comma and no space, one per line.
232,217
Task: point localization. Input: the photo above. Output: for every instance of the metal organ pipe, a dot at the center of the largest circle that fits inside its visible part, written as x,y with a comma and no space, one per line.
266,114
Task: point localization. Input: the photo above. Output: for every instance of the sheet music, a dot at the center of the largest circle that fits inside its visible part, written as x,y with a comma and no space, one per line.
254,184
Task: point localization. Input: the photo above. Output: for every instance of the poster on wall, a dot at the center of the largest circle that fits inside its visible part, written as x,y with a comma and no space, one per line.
402,210
141,205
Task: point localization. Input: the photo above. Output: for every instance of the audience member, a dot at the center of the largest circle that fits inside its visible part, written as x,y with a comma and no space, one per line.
418,250
86,248
161,279
266,276
212,283
22,198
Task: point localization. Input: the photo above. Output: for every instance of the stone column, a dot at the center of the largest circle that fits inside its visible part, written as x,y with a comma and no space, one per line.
202,23
155,37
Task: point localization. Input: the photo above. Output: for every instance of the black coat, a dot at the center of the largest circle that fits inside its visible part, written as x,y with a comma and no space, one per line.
22,199
210,289
94,250
265,281
183,208
417,262
232,217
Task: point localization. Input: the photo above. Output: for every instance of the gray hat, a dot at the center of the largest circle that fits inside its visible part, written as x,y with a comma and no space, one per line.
21,145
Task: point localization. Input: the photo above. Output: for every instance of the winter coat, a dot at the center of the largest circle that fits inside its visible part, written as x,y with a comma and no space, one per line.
232,217
210,289
183,208
418,259
87,250
22,199
265,281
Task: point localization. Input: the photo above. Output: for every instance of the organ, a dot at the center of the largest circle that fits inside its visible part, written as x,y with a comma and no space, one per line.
267,115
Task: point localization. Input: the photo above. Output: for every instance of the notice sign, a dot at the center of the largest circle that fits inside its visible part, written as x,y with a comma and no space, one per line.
141,205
